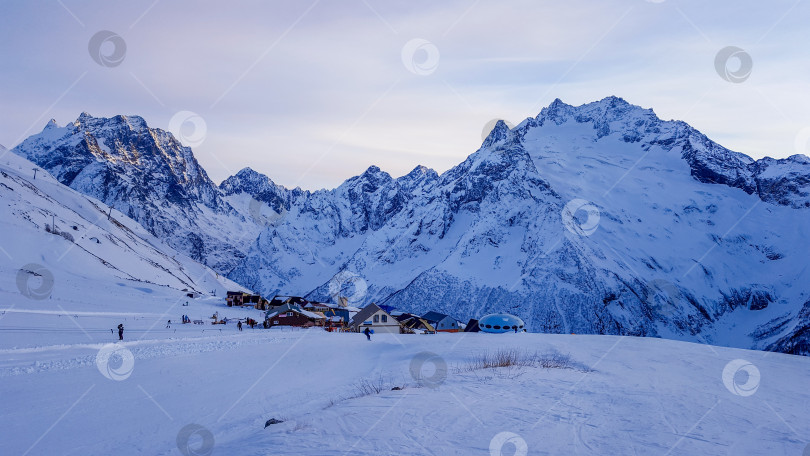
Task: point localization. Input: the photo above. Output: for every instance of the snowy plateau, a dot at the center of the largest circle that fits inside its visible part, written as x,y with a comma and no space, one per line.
663,280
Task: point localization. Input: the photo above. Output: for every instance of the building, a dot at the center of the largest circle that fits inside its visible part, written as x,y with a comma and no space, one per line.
238,298
414,323
472,326
442,322
338,312
293,315
314,306
373,317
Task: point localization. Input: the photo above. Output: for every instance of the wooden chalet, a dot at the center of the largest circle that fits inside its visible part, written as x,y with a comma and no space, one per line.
293,315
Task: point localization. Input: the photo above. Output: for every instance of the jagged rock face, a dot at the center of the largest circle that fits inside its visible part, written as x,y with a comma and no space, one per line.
146,174
600,218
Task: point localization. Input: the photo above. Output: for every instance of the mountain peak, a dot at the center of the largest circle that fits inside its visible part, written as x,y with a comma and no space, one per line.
87,121
248,171
498,133
374,173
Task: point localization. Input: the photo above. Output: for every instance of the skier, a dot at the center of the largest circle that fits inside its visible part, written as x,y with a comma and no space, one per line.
169,324
367,332
239,325
120,331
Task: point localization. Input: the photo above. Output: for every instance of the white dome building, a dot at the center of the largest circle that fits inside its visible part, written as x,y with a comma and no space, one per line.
500,323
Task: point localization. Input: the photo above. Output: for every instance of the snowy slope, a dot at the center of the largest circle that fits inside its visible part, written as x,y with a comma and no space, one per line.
615,395
99,258
148,175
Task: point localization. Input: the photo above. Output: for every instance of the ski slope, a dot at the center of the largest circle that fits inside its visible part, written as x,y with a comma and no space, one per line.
617,395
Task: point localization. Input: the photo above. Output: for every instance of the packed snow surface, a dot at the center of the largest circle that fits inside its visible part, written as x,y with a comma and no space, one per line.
605,394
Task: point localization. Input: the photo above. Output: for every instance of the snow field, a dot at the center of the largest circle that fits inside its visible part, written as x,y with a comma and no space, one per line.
621,395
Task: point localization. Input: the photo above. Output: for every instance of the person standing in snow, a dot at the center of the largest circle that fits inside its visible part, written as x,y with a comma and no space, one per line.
367,332
239,325
120,331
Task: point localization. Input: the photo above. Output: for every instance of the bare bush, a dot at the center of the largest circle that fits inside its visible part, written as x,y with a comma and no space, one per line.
514,357
67,236
365,387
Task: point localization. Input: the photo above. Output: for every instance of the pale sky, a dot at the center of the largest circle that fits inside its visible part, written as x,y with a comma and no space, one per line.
313,92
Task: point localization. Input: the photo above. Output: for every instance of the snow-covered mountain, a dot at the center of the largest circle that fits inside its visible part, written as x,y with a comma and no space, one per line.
148,175
600,218
62,245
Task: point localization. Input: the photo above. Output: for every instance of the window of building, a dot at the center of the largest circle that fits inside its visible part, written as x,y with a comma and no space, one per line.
289,314
376,318
385,318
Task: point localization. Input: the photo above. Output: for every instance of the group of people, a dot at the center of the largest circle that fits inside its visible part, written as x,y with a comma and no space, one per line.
249,321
